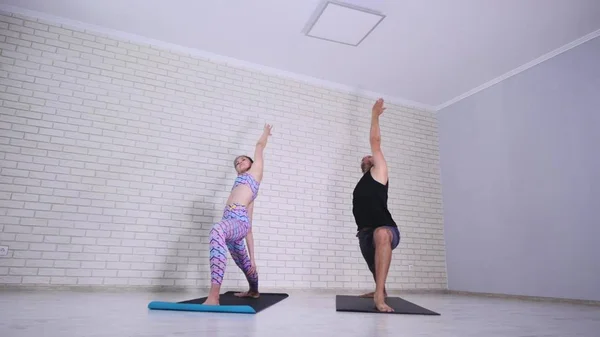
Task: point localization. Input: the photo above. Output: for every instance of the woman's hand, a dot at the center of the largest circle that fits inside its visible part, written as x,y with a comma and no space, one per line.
267,129
252,269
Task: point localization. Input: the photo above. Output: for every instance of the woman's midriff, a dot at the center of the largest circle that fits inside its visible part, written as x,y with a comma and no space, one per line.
240,195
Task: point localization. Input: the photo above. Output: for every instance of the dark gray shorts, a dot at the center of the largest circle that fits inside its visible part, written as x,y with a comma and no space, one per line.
367,244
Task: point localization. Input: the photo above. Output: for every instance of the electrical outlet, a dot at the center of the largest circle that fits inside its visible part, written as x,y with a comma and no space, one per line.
3,250
410,267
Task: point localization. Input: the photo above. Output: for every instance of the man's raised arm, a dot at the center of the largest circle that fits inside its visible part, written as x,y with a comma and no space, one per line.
380,170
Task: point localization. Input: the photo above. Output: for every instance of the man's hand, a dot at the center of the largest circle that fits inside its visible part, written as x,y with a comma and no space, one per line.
378,108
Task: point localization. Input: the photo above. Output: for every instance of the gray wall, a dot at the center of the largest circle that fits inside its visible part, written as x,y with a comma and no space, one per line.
520,166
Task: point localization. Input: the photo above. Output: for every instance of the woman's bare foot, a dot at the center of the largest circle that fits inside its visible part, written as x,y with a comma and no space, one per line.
213,295
379,300
211,301
250,293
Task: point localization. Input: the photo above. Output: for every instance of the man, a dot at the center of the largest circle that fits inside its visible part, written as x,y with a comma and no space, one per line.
378,234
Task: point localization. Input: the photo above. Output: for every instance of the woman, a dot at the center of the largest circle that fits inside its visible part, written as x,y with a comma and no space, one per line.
236,224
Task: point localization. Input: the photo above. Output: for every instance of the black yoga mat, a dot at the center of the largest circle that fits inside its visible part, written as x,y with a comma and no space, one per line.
365,304
258,304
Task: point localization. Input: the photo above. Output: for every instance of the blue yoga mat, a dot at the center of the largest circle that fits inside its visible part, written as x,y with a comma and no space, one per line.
229,303
177,306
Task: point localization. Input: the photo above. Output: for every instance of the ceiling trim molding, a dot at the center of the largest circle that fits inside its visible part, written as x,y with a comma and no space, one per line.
214,57
522,68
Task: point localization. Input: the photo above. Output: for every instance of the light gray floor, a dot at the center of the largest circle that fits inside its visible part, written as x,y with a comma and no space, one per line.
64,314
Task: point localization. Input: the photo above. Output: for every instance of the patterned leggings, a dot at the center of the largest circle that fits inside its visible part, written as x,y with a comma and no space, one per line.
230,232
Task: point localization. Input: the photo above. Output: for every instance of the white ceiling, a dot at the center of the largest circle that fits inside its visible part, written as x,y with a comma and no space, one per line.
426,51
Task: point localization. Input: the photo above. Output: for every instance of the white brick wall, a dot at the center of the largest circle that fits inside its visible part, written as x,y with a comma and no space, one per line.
116,159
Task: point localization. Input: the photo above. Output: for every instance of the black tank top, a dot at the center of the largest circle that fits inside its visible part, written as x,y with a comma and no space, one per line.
369,203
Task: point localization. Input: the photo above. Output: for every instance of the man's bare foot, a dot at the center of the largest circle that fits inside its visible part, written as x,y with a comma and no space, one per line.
380,303
211,301
251,293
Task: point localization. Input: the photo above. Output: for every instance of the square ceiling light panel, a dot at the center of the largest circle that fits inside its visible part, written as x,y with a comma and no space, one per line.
343,23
